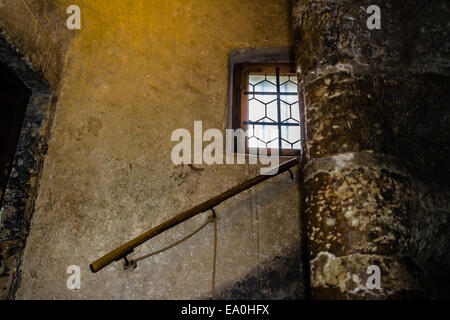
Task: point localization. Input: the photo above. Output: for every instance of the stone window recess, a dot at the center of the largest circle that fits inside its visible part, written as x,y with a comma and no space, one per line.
267,106
264,100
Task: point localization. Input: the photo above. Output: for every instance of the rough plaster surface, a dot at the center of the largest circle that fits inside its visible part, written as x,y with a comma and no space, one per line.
37,29
135,72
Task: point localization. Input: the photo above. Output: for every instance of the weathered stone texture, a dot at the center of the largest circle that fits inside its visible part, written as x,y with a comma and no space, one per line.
377,118
344,204
332,35
386,114
367,204
383,90
345,277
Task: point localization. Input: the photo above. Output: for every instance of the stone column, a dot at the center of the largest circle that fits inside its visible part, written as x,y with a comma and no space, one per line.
376,149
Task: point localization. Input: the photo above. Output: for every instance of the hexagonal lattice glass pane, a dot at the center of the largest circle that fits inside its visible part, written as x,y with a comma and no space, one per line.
256,110
272,111
285,110
284,79
289,113
265,86
290,135
272,79
265,98
262,83
260,136
293,79
288,87
256,78
290,99
295,112
269,116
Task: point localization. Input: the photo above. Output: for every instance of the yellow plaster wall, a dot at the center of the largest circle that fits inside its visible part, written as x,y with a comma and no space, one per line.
135,72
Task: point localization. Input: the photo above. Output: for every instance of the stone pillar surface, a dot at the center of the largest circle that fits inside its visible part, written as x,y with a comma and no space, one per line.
376,149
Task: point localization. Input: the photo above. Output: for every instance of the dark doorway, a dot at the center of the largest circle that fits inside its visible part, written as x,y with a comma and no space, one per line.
26,113
14,96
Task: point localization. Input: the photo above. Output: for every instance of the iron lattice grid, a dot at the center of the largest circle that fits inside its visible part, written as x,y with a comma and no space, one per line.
266,120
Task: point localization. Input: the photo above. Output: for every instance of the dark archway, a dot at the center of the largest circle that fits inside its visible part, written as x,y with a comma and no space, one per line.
14,97
26,102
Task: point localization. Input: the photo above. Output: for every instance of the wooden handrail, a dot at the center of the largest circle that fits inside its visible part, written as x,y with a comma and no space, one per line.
127,248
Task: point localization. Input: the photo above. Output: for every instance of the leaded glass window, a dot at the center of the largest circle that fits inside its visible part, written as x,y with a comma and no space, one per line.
270,109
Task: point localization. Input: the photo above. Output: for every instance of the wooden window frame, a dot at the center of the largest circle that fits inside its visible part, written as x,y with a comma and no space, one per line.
241,73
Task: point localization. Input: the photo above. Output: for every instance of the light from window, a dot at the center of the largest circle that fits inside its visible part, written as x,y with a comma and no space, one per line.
272,114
